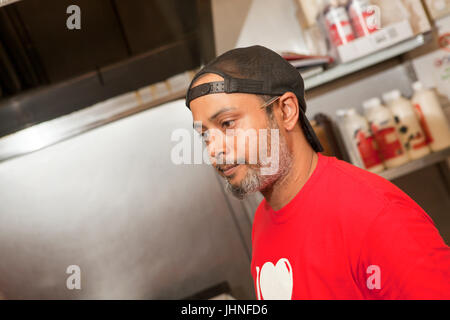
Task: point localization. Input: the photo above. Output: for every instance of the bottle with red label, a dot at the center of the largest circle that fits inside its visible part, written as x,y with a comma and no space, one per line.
411,133
362,17
431,116
358,130
384,129
337,22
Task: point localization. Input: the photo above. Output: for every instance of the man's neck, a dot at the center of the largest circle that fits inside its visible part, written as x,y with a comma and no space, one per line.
287,187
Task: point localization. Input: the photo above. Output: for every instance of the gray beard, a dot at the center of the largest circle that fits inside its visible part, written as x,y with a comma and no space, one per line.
254,181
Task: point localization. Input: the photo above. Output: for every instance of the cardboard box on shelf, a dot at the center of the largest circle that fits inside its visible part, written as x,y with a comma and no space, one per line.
417,16
438,8
307,13
394,11
433,68
378,40
398,20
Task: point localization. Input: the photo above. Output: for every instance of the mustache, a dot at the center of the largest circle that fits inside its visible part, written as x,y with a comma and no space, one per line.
225,166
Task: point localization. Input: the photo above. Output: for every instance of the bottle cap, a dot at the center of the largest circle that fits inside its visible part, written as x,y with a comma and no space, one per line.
417,86
391,95
371,103
341,112
351,111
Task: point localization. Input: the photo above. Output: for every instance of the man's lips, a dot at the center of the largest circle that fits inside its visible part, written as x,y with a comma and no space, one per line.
228,170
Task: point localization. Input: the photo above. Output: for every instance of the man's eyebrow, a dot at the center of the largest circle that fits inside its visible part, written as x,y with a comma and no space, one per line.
215,115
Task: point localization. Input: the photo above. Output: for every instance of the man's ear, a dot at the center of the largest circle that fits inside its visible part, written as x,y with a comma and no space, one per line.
290,111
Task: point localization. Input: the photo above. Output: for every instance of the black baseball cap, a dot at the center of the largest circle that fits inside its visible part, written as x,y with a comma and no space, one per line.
257,70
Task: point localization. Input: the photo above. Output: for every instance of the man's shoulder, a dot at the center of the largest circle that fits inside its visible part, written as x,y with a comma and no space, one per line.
357,181
360,195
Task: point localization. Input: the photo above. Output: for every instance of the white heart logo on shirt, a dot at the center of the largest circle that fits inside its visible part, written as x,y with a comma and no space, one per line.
275,281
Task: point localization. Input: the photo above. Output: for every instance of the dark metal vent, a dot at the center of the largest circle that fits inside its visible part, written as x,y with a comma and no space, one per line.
47,70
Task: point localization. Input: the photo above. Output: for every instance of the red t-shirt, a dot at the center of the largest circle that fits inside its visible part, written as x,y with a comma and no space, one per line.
348,234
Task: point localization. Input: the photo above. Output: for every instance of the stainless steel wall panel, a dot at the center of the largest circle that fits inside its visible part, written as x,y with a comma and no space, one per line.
111,201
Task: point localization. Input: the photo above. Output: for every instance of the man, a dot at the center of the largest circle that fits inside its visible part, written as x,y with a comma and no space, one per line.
326,229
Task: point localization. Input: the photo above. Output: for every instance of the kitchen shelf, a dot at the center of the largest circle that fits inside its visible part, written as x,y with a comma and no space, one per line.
428,160
344,69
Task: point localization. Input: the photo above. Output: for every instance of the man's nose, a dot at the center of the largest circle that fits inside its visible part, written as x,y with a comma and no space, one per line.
217,149
216,153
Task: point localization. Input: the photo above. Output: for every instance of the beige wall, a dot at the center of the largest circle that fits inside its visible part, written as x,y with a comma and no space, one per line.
241,23
228,18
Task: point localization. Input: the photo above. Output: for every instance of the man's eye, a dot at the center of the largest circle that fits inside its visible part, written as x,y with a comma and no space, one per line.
205,135
227,124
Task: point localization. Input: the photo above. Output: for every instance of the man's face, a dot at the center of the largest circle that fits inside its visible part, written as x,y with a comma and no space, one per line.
231,124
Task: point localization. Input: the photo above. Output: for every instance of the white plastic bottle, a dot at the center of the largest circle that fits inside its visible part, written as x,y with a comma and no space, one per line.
383,127
337,22
431,116
411,133
358,129
361,15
